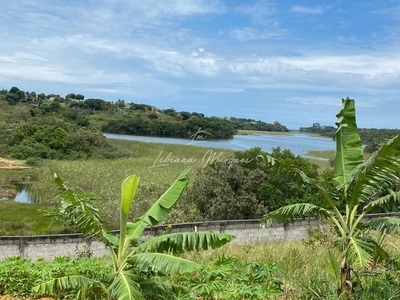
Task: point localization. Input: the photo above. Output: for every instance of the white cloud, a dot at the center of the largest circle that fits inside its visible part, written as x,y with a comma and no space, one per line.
221,90
250,33
171,8
312,10
393,12
259,12
330,101
155,49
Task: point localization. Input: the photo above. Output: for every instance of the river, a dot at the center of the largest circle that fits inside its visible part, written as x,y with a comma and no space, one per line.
298,143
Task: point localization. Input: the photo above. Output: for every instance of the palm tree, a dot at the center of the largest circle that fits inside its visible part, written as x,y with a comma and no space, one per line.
120,104
357,183
127,253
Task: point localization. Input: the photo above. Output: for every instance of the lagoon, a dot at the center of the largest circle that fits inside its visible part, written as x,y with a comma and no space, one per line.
298,143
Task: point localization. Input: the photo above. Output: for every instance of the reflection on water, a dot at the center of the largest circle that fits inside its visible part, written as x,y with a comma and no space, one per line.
21,193
23,196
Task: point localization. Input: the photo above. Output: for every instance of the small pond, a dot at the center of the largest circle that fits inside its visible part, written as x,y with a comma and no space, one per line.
19,192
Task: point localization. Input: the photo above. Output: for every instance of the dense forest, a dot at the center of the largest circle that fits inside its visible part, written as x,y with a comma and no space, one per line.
370,137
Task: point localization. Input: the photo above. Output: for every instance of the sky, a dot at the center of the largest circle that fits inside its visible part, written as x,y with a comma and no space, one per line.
289,61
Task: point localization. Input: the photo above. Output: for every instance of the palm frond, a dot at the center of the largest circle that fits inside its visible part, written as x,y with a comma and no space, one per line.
68,283
159,211
163,262
392,198
359,251
387,224
80,212
188,241
123,287
379,253
379,172
291,213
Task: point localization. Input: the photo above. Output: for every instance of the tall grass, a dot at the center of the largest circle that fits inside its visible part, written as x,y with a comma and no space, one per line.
104,177
305,267
305,275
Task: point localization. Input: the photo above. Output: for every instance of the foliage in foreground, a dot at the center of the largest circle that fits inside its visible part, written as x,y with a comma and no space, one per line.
228,278
361,187
297,267
131,258
18,276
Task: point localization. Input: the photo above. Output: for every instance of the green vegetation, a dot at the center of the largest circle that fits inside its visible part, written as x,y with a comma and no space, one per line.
26,219
295,269
361,187
327,154
53,127
138,267
246,188
371,137
362,260
195,127
35,132
18,276
253,125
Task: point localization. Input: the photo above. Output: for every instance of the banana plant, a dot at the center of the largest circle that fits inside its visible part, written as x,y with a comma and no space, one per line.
130,256
357,183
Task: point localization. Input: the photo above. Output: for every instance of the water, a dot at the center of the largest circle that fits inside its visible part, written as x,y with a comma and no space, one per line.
22,195
298,143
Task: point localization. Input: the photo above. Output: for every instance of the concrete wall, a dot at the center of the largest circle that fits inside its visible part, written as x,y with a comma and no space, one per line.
246,231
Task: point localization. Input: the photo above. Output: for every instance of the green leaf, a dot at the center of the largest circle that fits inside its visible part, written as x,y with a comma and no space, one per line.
163,262
66,283
78,210
333,267
188,241
159,285
389,200
379,172
123,287
128,190
159,210
291,213
359,251
349,153
387,224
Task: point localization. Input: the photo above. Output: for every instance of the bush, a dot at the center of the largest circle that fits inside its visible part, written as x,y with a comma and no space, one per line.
34,161
18,276
247,188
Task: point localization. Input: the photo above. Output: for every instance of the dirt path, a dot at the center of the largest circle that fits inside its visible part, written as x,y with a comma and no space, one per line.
9,164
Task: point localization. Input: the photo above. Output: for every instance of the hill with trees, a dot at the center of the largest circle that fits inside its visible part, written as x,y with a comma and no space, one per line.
51,126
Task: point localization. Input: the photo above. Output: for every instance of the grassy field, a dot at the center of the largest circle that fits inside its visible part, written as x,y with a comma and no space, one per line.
26,219
323,159
157,164
328,154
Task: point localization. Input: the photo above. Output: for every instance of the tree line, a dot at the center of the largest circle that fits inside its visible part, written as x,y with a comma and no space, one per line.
370,137
134,118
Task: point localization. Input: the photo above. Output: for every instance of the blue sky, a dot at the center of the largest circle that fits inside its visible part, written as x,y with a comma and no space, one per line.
285,60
